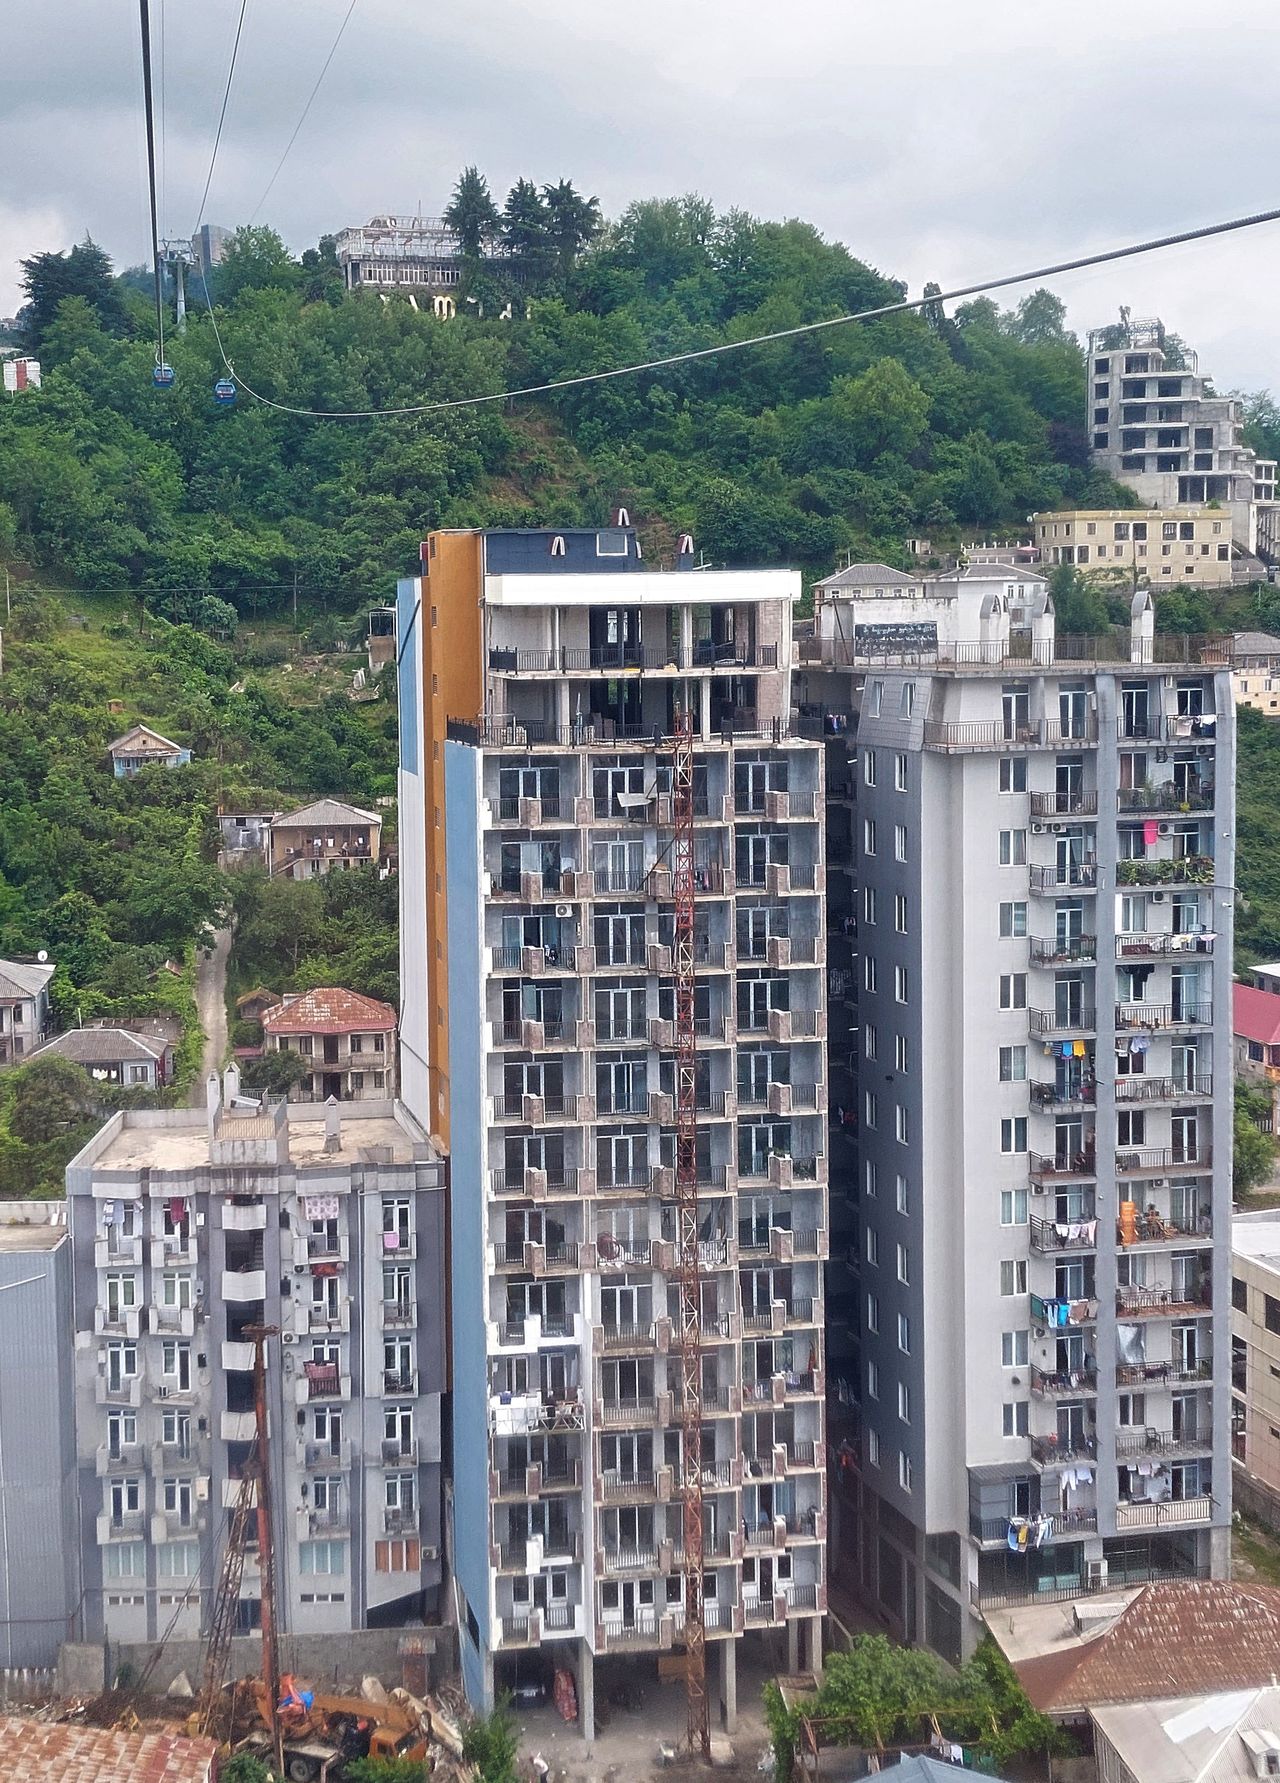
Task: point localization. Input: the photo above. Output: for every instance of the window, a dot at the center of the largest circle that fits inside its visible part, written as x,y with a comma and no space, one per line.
902,1194
1014,1415
1013,1276
1271,1312
901,1124
873,1380
900,841
872,1178
899,984
900,771
873,1312
900,912
904,1402
178,1560
904,1264
869,904
873,1448
1013,919
873,1246
907,699
1013,990
869,767
1013,848
904,1334
1015,1349
870,1108
1013,1133
1013,1207
124,1560
868,835
900,1052
877,698
1013,773
1239,1294
322,1559
1013,1064
869,1041
904,1470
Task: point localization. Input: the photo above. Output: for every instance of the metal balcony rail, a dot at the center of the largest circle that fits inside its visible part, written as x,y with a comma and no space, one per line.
1129,947
1196,1156
1190,869
1161,1442
993,733
1063,1235
1050,1450
1064,1381
526,733
1166,1298
1165,1089
1050,951
1179,1371
1080,1019
1074,1163
1166,798
1081,874
1164,1015
1048,1095
1064,804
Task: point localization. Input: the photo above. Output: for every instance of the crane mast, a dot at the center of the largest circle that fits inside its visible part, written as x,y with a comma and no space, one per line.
686,1186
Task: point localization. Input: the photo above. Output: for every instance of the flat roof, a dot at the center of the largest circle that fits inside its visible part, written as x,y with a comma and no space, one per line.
1257,1237
31,1237
182,1144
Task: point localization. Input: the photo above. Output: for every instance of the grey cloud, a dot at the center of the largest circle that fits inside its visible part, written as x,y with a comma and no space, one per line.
938,141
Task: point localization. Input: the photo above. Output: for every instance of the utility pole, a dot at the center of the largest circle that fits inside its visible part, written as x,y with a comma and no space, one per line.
266,1553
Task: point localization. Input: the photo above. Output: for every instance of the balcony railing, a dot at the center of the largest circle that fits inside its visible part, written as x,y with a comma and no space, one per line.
1064,1383
1177,1372
1192,869
1063,1164
1165,798
1081,875
1164,1300
1064,804
1165,1089
1048,1095
1063,1235
1168,1513
994,733
1049,1451
1050,951
1162,1442
1162,1160
1133,947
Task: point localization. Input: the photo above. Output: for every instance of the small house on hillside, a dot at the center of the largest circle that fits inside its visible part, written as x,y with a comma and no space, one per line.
321,838
141,747
254,1004
24,1008
348,1042
113,1055
244,836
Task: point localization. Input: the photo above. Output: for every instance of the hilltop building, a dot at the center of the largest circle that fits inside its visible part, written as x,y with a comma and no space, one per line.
24,1007
1029,1347
1130,546
323,837
541,676
348,1042
141,747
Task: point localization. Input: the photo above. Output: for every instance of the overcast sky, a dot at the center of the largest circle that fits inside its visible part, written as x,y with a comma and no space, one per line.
937,140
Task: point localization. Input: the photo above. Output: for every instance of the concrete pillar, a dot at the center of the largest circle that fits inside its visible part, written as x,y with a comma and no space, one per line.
813,1658
793,1645
586,1693
729,1684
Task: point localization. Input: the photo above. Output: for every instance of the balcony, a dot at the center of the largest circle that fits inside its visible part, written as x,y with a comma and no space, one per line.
993,733
323,1380
1056,1451
1065,1526
1064,804
1067,875
1079,1020
1049,1096
1164,1302
399,1522
1192,869
1151,1016
1165,1089
1178,1372
1062,1166
1065,1384
1050,951
1165,798
1171,1513
1164,1161
1063,1235
1149,1442
1152,1228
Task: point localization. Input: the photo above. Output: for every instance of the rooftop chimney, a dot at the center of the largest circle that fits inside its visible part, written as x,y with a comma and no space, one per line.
212,1099
1142,627
231,1083
332,1125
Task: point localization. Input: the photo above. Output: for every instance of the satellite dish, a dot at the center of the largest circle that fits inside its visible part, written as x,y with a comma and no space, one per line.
43,955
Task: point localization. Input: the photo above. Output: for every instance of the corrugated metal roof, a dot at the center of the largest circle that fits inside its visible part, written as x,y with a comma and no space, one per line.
53,1752
322,813
100,1046
17,979
142,740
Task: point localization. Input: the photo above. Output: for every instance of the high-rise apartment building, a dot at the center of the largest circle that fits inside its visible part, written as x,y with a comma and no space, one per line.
1156,424
542,675
190,1228
1035,1315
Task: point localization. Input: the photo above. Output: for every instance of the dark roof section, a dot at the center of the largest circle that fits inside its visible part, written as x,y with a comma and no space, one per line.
329,1012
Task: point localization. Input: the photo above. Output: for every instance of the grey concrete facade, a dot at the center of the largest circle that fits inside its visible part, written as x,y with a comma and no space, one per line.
1043,863
190,1226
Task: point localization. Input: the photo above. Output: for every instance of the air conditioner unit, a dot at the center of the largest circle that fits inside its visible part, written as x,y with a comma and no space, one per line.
1057,828
1037,829
1166,829
1158,897
288,1337
1097,1572
1159,1182
299,1269
564,909
431,1553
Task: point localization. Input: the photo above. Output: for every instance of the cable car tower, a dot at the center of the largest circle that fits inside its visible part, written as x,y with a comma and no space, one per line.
177,256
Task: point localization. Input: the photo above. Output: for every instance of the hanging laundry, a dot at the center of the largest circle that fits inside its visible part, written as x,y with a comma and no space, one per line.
320,1207
391,1241
1150,832
1067,1049
177,1209
1077,1048
1139,1044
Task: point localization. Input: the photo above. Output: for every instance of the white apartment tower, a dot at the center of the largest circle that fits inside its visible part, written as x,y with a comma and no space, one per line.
541,675
1039,999
1158,426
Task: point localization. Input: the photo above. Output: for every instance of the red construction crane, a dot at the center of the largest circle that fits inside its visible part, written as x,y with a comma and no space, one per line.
686,1184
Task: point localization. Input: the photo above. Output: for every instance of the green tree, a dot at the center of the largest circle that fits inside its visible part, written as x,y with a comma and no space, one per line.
471,213
254,258
83,272
573,222
491,1743
1078,605
384,1770
1253,1155
525,230
1040,317
884,410
244,1767
276,1072
48,1097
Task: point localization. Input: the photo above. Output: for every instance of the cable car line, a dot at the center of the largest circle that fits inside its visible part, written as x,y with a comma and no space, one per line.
903,306
222,115
333,50
149,110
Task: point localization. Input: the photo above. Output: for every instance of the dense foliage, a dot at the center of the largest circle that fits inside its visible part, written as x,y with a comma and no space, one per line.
850,438
297,934
880,1695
